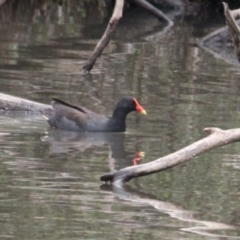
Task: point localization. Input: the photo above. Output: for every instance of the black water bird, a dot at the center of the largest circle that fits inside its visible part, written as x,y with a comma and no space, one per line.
77,118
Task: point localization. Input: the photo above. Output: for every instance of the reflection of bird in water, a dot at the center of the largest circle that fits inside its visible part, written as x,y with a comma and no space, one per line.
137,157
74,142
80,119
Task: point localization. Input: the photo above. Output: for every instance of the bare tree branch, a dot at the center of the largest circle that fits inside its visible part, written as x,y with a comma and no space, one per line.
117,14
217,138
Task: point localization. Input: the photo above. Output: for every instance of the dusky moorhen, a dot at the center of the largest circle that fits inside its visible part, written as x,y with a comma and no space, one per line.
77,118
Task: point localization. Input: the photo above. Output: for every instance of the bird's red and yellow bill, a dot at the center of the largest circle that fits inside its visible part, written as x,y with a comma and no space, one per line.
139,108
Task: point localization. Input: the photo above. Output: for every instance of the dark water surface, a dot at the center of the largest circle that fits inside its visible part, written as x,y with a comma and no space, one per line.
49,180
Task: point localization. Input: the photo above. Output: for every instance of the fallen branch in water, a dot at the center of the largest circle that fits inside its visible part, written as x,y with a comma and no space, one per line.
8,102
217,138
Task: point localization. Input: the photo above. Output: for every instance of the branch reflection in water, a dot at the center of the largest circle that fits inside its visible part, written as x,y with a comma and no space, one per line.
127,193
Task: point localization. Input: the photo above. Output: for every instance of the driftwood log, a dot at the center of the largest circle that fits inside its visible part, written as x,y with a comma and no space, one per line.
116,16
233,27
217,138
